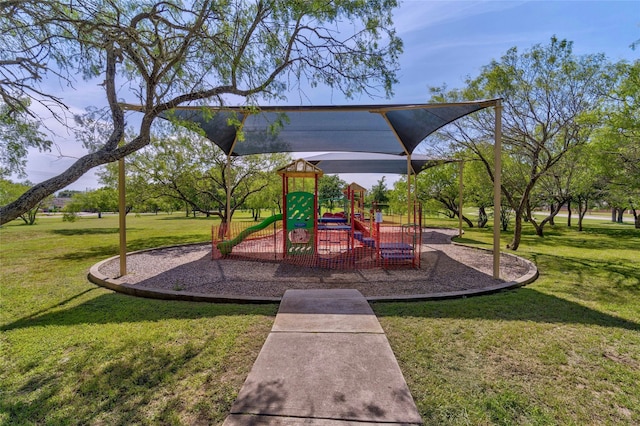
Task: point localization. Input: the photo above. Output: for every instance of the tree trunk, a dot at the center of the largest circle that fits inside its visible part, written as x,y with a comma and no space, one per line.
620,214
517,233
107,154
549,219
33,214
613,215
482,217
529,218
538,228
582,211
452,209
552,216
569,213
505,218
554,213
29,218
467,221
636,218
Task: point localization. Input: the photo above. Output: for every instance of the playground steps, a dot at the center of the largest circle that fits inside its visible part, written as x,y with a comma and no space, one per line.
388,251
361,227
397,251
396,255
367,241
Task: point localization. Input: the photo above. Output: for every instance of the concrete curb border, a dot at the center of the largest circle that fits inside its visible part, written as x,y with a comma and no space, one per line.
101,280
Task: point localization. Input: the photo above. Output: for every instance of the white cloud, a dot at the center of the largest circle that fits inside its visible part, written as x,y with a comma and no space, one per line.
416,15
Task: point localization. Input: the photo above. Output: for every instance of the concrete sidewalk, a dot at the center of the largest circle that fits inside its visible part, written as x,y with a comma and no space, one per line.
326,362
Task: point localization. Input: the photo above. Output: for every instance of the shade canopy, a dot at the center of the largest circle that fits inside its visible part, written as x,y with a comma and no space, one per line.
342,162
386,129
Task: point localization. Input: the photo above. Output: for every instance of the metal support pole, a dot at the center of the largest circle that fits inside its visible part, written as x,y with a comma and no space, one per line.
415,195
122,214
460,201
408,188
315,216
497,189
285,191
227,224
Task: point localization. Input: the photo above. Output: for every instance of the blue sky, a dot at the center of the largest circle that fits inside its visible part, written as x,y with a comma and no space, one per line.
444,42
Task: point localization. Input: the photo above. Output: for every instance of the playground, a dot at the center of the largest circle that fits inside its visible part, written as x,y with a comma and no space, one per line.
301,240
301,248
187,272
355,237
384,138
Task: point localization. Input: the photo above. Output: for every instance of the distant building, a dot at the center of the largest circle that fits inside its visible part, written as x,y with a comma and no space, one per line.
57,204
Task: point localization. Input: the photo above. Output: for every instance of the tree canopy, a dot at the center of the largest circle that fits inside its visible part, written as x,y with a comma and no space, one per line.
330,189
163,54
193,170
18,132
549,98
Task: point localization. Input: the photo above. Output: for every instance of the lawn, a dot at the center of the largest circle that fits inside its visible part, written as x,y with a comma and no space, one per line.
564,350
73,353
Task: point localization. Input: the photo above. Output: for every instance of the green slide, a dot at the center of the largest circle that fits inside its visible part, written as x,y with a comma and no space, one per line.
225,247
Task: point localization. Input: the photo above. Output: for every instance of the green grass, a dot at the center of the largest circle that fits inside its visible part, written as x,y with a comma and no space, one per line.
72,353
564,350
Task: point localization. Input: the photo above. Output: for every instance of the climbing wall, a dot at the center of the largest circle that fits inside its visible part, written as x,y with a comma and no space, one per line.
300,224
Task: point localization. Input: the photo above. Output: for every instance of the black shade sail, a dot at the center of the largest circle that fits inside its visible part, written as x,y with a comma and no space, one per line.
386,129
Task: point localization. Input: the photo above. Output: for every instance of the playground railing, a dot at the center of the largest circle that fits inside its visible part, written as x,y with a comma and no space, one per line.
337,247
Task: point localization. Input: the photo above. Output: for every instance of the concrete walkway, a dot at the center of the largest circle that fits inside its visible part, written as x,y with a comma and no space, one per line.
326,362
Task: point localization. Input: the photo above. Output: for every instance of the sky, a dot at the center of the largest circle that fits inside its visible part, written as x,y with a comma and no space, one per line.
444,43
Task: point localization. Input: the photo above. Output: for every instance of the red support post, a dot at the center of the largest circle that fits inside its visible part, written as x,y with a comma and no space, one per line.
315,217
285,191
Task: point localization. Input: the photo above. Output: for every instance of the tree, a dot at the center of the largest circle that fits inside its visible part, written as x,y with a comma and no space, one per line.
549,96
167,54
18,133
194,170
330,189
10,190
397,196
589,183
478,189
30,50
555,190
379,192
96,201
268,198
618,142
441,183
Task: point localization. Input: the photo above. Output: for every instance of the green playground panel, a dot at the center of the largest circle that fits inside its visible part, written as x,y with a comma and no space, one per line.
300,223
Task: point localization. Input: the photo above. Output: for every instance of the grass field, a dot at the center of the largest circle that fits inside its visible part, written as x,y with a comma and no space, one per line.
564,350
